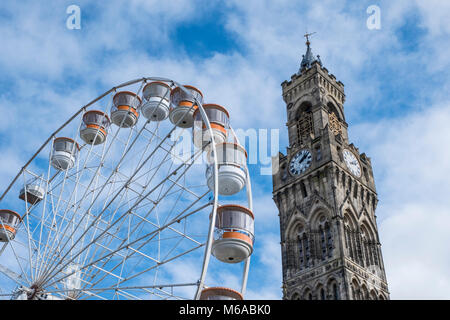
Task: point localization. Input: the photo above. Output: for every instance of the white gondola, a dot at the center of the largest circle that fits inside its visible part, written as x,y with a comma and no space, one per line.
182,112
232,163
65,151
234,234
95,126
33,191
219,119
220,293
9,221
124,109
156,104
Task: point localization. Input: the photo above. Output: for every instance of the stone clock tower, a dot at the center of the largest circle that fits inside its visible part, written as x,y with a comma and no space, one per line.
325,193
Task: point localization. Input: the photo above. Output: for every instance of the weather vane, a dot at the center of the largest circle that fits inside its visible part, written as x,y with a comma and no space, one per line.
307,35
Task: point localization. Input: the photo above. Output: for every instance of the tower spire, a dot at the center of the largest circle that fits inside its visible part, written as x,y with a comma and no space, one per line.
308,58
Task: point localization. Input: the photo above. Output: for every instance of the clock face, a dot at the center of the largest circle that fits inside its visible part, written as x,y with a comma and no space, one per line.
300,162
351,162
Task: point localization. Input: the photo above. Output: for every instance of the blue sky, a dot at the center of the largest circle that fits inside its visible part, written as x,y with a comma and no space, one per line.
238,52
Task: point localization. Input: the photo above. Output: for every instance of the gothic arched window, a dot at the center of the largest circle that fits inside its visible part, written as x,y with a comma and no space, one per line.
324,238
335,292
370,245
295,296
351,236
319,292
307,294
322,294
359,255
323,245
366,254
334,119
303,247
303,189
366,175
329,240
304,120
364,293
375,253
333,289
355,191
318,153
307,250
301,252
355,290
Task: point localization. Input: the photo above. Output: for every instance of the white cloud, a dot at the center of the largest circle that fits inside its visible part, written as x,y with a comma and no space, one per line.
411,166
265,281
42,58
415,245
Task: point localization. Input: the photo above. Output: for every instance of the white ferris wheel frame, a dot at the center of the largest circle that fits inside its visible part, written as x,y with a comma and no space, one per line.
19,279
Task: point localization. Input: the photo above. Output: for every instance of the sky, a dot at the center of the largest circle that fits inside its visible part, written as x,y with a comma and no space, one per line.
239,52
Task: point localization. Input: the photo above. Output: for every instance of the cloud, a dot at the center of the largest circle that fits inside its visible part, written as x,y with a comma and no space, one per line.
411,165
265,279
415,246
50,71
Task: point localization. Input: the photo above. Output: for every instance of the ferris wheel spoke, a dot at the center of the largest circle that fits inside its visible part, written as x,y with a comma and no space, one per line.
134,252
159,287
94,176
27,228
38,249
149,236
112,174
55,209
170,228
144,188
74,192
156,265
128,179
17,278
14,251
169,189
163,262
151,191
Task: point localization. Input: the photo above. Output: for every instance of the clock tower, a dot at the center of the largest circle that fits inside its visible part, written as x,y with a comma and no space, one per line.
325,193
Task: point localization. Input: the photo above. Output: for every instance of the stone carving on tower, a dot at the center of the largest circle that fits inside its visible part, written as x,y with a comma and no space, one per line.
325,193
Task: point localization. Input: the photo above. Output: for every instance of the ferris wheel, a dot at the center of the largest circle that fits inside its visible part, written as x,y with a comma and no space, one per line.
144,193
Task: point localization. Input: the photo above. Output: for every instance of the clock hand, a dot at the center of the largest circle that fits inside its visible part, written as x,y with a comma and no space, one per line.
303,158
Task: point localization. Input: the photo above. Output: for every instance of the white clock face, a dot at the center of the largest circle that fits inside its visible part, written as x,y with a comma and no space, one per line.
300,162
351,162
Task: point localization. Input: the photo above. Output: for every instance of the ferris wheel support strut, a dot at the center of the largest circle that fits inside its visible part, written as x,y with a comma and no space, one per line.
123,215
